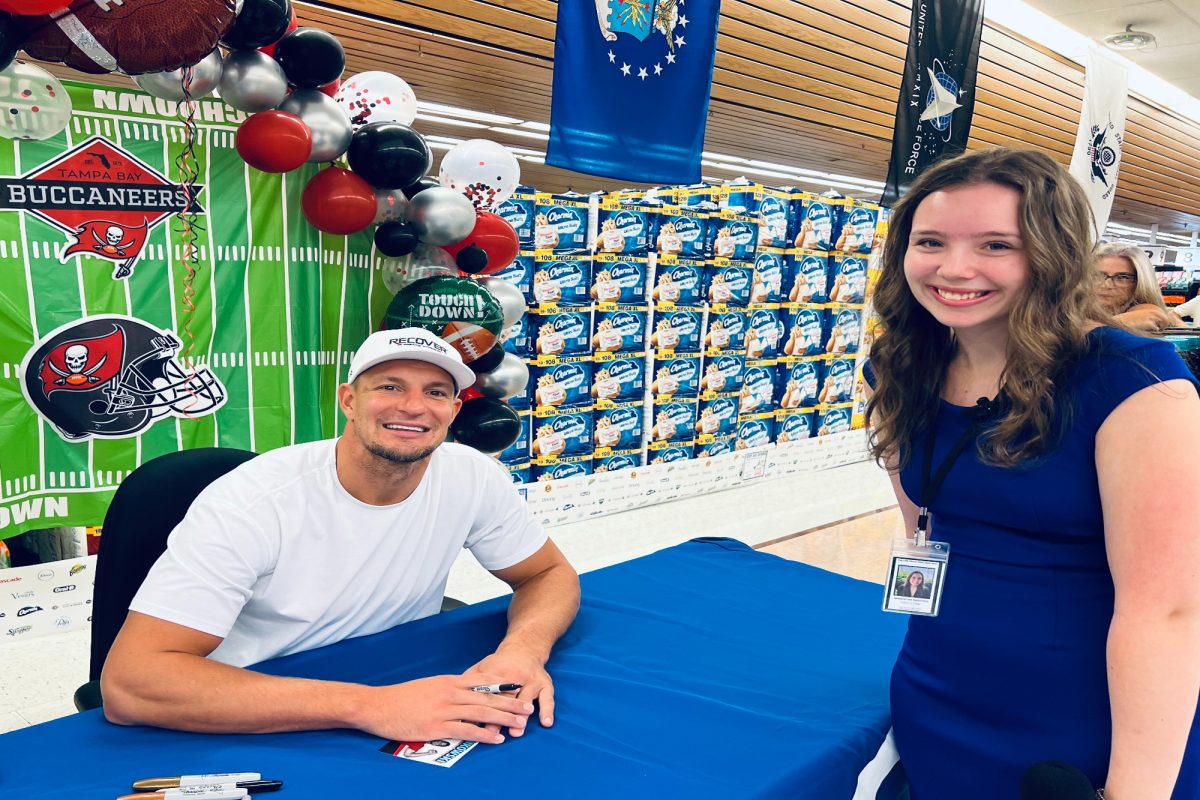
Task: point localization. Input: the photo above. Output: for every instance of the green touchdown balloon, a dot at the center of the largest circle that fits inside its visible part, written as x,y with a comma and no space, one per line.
459,310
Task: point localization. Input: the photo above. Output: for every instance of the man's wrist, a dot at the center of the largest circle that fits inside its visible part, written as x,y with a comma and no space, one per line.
517,644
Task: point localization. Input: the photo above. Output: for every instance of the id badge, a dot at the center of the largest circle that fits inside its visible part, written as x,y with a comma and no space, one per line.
916,576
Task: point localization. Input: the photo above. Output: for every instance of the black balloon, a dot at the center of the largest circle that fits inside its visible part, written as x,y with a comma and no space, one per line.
260,23
486,424
388,155
396,239
415,189
488,361
311,57
472,259
10,40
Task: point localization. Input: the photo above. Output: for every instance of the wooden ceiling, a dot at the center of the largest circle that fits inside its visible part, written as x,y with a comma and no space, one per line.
810,83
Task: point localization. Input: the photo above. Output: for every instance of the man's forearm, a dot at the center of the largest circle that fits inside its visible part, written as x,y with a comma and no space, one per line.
541,610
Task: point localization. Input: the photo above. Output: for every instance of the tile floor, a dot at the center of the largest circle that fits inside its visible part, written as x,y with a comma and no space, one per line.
38,676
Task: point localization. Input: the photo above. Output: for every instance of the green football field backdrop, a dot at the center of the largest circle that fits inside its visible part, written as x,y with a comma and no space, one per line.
279,308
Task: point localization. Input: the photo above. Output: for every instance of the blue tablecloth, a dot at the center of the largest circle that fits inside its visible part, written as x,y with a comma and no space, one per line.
707,670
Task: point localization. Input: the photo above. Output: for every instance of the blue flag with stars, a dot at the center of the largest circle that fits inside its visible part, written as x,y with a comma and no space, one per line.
631,88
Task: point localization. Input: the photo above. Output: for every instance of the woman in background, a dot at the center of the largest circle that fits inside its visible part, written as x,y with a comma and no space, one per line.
1069,622
1128,290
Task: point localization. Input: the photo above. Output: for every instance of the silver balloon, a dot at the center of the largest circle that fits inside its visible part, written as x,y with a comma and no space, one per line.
252,81
509,378
423,262
390,205
511,301
441,216
169,85
330,126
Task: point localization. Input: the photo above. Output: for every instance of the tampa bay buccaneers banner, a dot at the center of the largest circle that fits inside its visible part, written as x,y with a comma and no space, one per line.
937,95
102,365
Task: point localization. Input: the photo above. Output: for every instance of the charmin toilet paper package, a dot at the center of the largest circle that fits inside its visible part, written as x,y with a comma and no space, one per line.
567,432
674,375
561,385
774,219
623,379
739,196
723,374
727,283
833,420
629,228
518,211
794,426
520,473
838,386
847,278
699,194
518,451
758,387
618,459
563,280
682,232
517,338
803,330
564,332
807,276
560,223
674,421
520,273
619,279
842,330
621,329
764,332
679,281
798,384
618,428
679,451
676,328
815,217
717,417
726,331
561,469
755,430
717,446
770,265
733,236
855,226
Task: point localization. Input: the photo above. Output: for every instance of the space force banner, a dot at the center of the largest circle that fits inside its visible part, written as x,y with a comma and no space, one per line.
102,367
937,94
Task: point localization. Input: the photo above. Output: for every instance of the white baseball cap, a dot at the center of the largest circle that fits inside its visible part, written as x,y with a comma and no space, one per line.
410,344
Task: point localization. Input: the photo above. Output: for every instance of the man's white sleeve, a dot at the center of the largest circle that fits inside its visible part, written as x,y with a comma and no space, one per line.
504,532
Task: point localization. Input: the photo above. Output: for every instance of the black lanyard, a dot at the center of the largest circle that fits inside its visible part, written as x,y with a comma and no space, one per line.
931,484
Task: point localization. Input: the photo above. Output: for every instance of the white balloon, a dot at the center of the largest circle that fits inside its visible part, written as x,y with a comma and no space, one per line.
33,104
486,172
377,97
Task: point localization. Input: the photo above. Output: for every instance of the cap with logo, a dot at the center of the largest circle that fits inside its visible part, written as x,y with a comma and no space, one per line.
410,344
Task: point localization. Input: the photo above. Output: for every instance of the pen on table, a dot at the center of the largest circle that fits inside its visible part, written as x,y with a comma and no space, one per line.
199,792
150,784
198,784
497,688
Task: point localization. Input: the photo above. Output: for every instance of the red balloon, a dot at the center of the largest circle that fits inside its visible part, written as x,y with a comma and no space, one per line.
270,49
469,393
339,202
274,141
330,88
32,8
494,236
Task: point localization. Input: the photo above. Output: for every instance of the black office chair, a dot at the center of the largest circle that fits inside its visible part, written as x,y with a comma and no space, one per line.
146,507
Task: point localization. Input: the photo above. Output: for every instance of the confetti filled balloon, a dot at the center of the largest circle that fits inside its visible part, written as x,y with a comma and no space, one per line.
486,172
377,97
33,104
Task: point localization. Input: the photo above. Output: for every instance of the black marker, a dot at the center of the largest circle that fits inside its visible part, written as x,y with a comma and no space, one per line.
497,688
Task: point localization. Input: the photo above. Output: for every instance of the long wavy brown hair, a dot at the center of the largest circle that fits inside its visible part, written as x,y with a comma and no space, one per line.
1047,327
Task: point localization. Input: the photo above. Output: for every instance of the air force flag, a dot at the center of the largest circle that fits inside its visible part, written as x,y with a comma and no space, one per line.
631,87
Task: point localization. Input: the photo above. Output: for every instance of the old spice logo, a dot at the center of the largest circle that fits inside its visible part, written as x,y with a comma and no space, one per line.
104,199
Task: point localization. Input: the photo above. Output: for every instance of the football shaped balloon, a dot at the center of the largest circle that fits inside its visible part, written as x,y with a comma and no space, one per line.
136,36
486,172
459,310
377,97
33,7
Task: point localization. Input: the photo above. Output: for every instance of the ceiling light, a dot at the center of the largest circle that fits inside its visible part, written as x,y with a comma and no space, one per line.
535,126
1129,39
466,113
447,121
518,132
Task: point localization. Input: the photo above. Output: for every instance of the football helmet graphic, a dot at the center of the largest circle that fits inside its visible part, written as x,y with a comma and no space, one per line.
113,376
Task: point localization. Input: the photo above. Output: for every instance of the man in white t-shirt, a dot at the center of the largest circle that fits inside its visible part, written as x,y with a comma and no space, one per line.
311,544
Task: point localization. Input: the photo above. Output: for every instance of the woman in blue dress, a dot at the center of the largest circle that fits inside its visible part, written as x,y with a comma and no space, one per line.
1069,622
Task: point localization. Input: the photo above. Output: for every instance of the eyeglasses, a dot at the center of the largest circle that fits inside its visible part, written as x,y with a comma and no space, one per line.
1119,279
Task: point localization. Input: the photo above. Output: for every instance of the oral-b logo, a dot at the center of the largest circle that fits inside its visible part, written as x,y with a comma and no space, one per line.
627,323
626,275
724,408
571,427
569,325
625,419
514,213
565,274
625,371
685,369
686,228
569,376
59,589
629,224
566,220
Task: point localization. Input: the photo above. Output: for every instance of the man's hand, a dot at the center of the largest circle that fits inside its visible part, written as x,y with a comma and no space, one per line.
516,665
444,707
